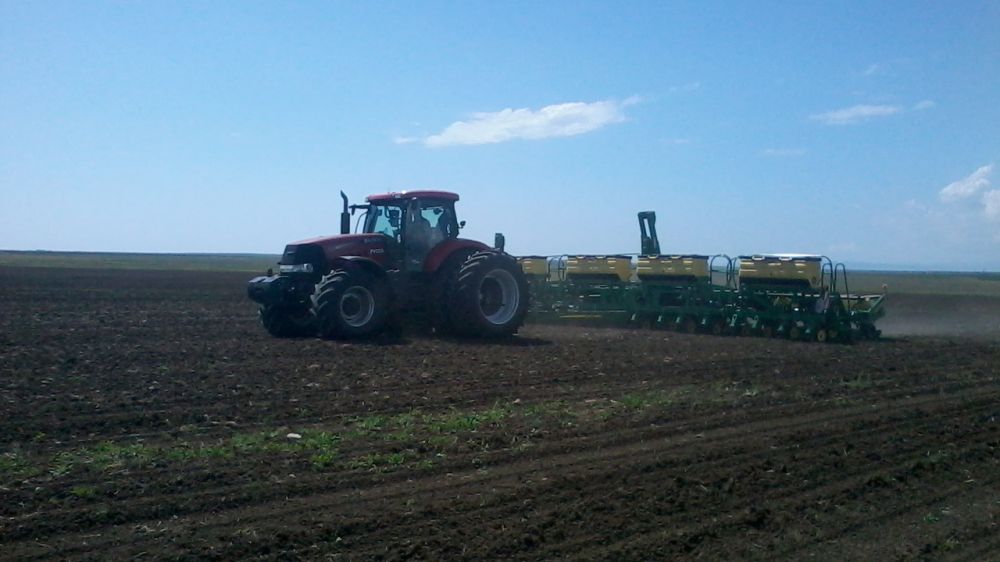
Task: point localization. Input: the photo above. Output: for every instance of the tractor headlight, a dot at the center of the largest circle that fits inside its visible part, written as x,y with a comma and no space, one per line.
296,268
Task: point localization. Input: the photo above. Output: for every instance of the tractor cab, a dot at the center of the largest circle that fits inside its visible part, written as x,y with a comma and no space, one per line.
414,222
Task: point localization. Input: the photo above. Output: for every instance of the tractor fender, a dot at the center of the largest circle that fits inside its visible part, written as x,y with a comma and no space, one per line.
440,254
358,263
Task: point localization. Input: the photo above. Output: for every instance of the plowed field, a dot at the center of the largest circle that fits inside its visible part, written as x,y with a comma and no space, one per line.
147,415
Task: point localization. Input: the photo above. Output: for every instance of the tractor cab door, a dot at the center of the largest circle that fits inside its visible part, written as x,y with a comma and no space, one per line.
388,221
427,223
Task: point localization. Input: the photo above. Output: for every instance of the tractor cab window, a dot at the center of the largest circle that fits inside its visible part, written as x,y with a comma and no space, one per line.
425,225
440,221
384,219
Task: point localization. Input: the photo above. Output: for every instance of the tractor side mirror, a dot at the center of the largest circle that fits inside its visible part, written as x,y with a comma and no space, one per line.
461,224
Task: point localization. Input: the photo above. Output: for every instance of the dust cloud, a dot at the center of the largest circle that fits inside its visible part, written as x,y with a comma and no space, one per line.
969,316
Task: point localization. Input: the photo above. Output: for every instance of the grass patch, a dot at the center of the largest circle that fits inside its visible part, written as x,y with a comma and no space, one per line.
460,422
83,492
13,465
442,441
512,425
63,464
117,260
108,455
370,424
379,462
926,283
322,447
727,391
932,460
325,459
319,441
860,382
640,401
403,425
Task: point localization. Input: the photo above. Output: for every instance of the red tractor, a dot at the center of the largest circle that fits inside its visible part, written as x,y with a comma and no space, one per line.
407,263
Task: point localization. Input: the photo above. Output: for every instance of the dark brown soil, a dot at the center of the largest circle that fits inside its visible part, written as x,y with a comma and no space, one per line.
147,415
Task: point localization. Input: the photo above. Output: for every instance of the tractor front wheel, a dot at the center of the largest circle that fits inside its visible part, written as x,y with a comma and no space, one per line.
282,321
350,305
490,296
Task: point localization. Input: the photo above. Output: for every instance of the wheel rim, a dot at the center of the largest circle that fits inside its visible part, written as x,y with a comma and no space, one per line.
499,297
357,306
821,335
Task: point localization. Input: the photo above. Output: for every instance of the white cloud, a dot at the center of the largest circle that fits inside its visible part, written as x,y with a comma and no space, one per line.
923,104
872,69
689,87
991,204
405,140
560,120
964,222
783,152
914,206
855,114
967,186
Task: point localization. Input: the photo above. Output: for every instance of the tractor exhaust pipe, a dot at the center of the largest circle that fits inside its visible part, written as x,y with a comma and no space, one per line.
345,217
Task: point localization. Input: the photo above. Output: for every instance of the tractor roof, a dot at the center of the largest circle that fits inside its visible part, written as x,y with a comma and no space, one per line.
404,195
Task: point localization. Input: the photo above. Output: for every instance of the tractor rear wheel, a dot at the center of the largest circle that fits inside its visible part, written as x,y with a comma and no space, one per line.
349,304
490,296
442,290
282,321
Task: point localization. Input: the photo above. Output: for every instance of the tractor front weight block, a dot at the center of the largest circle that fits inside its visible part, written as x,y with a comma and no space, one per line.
270,290
277,290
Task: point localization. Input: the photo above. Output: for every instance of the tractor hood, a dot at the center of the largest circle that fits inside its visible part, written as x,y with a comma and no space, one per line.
327,248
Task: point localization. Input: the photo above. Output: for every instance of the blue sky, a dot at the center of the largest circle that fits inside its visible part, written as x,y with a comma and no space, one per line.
867,131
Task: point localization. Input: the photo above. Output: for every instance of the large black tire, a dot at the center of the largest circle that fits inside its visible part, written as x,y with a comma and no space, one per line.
442,293
350,304
282,321
490,296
